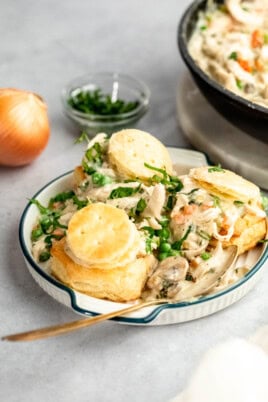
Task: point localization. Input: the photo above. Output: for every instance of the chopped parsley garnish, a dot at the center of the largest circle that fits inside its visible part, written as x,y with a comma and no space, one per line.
233,56
217,168
121,192
203,27
100,179
171,201
173,184
61,198
140,207
83,137
79,203
238,203
178,244
239,84
96,102
216,201
94,154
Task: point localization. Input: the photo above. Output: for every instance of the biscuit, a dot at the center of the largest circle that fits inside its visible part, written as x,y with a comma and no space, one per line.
248,231
121,284
225,183
130,149
100,233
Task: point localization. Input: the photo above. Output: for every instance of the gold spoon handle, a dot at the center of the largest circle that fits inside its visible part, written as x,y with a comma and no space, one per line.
78,324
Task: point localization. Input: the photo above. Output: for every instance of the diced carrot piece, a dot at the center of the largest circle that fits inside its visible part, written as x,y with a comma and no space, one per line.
245,65
256,39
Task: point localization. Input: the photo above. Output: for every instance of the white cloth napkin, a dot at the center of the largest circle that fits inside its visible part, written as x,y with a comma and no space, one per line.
234,371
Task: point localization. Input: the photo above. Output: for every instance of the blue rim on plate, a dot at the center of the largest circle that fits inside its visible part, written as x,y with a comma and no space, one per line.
151,316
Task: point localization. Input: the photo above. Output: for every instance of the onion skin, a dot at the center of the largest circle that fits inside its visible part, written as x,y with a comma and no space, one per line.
24,126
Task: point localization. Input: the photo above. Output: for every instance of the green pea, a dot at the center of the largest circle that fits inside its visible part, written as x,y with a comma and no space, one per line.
44,256
165,247
36,233
162,256
164,233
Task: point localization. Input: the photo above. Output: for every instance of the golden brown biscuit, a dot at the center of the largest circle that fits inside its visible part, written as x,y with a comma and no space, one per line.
248,231
130,149
100,233
119,284
225,183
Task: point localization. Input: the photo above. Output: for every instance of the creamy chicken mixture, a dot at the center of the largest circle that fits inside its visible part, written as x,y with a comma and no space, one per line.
230,44
182,224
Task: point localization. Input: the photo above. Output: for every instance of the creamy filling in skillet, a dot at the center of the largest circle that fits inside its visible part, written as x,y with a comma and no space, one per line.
230,44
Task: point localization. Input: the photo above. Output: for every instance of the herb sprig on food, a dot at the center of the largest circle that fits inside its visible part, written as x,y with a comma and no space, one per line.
49,225
173,183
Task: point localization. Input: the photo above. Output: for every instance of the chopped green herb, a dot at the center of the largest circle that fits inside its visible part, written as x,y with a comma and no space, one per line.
83,137
239,84
173,183
217,168
96,102
80,203
94,154
100,179
238,203
233,56
178,244
141,205
121,192
148,229
203,27
265,38
171,201
61,197
216,201
49,219
263,241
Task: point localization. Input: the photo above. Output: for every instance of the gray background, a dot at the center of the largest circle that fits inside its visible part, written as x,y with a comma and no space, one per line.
44,44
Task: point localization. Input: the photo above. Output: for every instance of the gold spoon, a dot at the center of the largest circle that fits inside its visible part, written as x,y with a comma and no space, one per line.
61,329
197,289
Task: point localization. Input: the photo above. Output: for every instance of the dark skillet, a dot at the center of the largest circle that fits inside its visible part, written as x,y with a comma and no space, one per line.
248,116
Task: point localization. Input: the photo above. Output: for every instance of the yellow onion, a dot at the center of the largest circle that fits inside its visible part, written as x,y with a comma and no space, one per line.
24,126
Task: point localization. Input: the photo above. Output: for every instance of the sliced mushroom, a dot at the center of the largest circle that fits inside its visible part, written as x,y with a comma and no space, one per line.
165,280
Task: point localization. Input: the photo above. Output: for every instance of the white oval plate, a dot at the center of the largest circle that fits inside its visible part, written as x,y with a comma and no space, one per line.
183,160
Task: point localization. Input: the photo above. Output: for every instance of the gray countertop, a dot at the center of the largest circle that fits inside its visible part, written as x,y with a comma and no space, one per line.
44,44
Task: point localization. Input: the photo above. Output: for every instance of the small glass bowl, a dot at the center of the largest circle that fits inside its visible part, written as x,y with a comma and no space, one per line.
118,86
